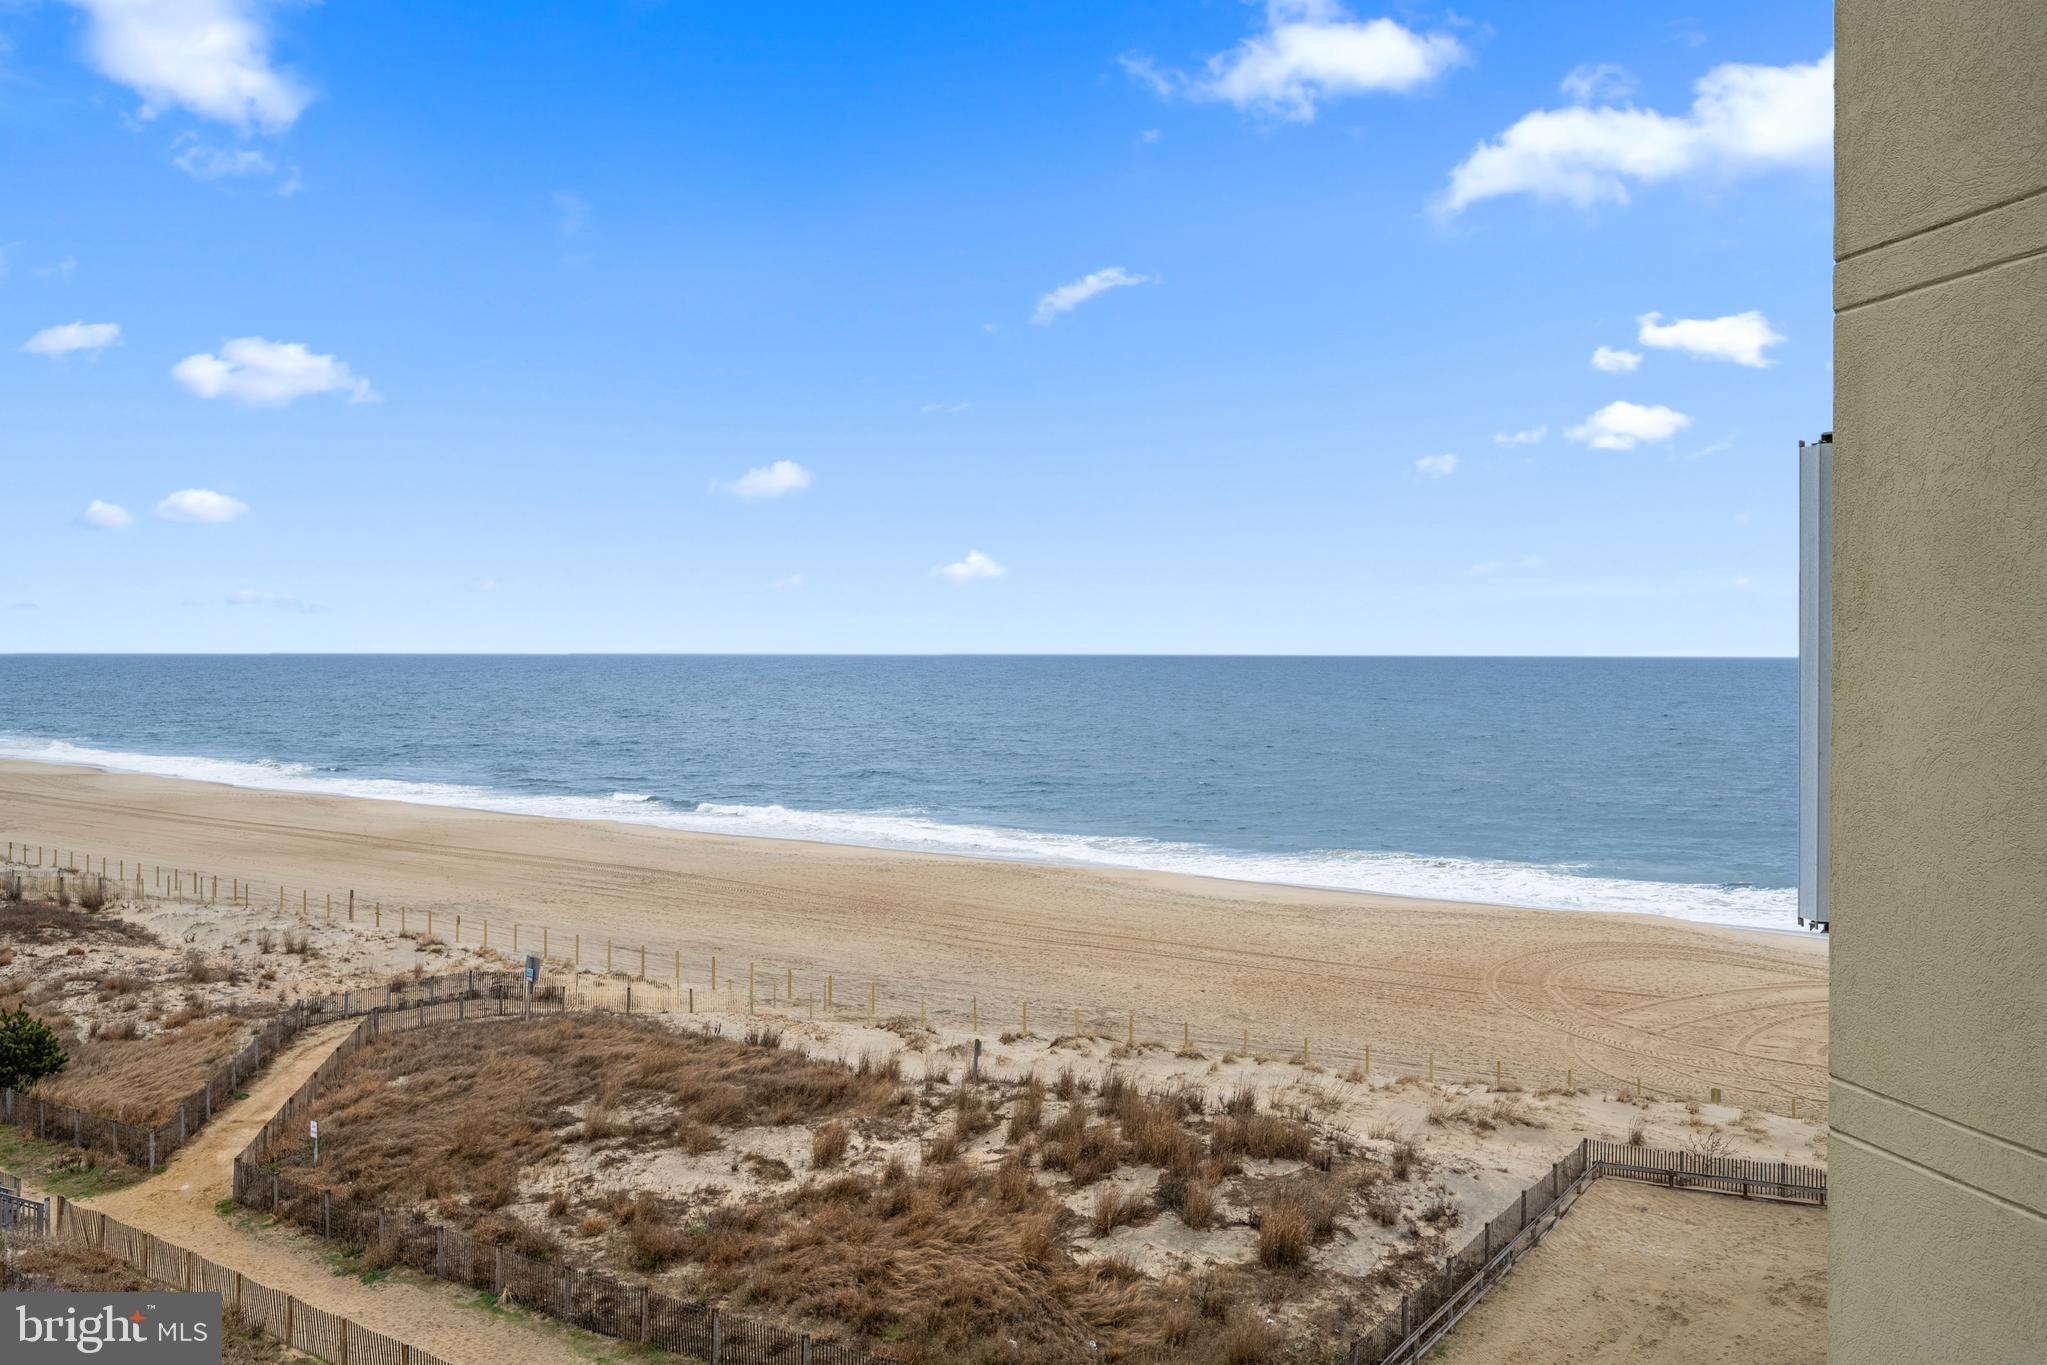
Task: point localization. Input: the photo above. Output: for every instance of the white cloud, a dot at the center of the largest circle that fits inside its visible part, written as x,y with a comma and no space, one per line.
1074,293
73,336
1532,436
1600,81
1623,426
1437,466
203,161
61,270
1744,120
975,565
1739,337
253,597
485,585
200,504
1309,51
107,516
783,476
210,57
1616,362
946,407
788,584
269,374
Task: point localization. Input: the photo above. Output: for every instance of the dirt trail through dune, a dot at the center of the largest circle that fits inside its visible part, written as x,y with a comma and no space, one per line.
178,1206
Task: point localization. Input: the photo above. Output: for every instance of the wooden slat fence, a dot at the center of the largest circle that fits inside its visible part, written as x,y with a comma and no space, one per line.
1427,1313
279,1315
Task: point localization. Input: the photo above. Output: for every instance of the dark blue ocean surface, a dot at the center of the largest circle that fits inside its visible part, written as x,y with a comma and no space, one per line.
1658,785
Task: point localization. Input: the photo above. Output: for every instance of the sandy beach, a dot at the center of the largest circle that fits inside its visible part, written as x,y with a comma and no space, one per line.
1679,1007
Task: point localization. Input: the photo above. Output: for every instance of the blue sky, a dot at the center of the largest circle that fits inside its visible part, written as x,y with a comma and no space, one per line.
1055,327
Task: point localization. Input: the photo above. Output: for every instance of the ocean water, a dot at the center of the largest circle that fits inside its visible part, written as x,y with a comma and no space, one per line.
1662,786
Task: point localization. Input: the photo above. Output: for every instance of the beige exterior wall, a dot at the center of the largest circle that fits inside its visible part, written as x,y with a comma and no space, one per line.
1939,771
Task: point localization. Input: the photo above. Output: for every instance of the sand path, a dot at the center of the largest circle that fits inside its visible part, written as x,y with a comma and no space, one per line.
1680,1006
178,1206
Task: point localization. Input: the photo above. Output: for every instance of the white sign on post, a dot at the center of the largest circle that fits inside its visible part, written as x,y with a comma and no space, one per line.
313,1128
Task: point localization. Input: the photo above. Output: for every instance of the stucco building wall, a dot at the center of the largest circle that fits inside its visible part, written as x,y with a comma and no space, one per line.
1938,876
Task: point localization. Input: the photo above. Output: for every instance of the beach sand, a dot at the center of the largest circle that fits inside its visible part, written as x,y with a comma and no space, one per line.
1634,1275
1617,999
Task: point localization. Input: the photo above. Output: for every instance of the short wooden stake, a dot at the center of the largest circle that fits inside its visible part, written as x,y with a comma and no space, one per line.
974,1014
1496,1073
874,1001
1130,1035
1186,1036
643,961
607,957
828,992
1368,1062
1027,1018
749,988
714,971
1638,1087
1794,1106
1247,1043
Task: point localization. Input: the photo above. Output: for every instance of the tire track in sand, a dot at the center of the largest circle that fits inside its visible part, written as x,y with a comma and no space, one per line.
1533,986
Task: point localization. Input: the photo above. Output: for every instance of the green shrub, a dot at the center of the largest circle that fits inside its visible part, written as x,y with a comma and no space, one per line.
28,1050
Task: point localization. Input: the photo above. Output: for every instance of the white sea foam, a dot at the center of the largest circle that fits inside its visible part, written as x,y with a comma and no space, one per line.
1442,878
